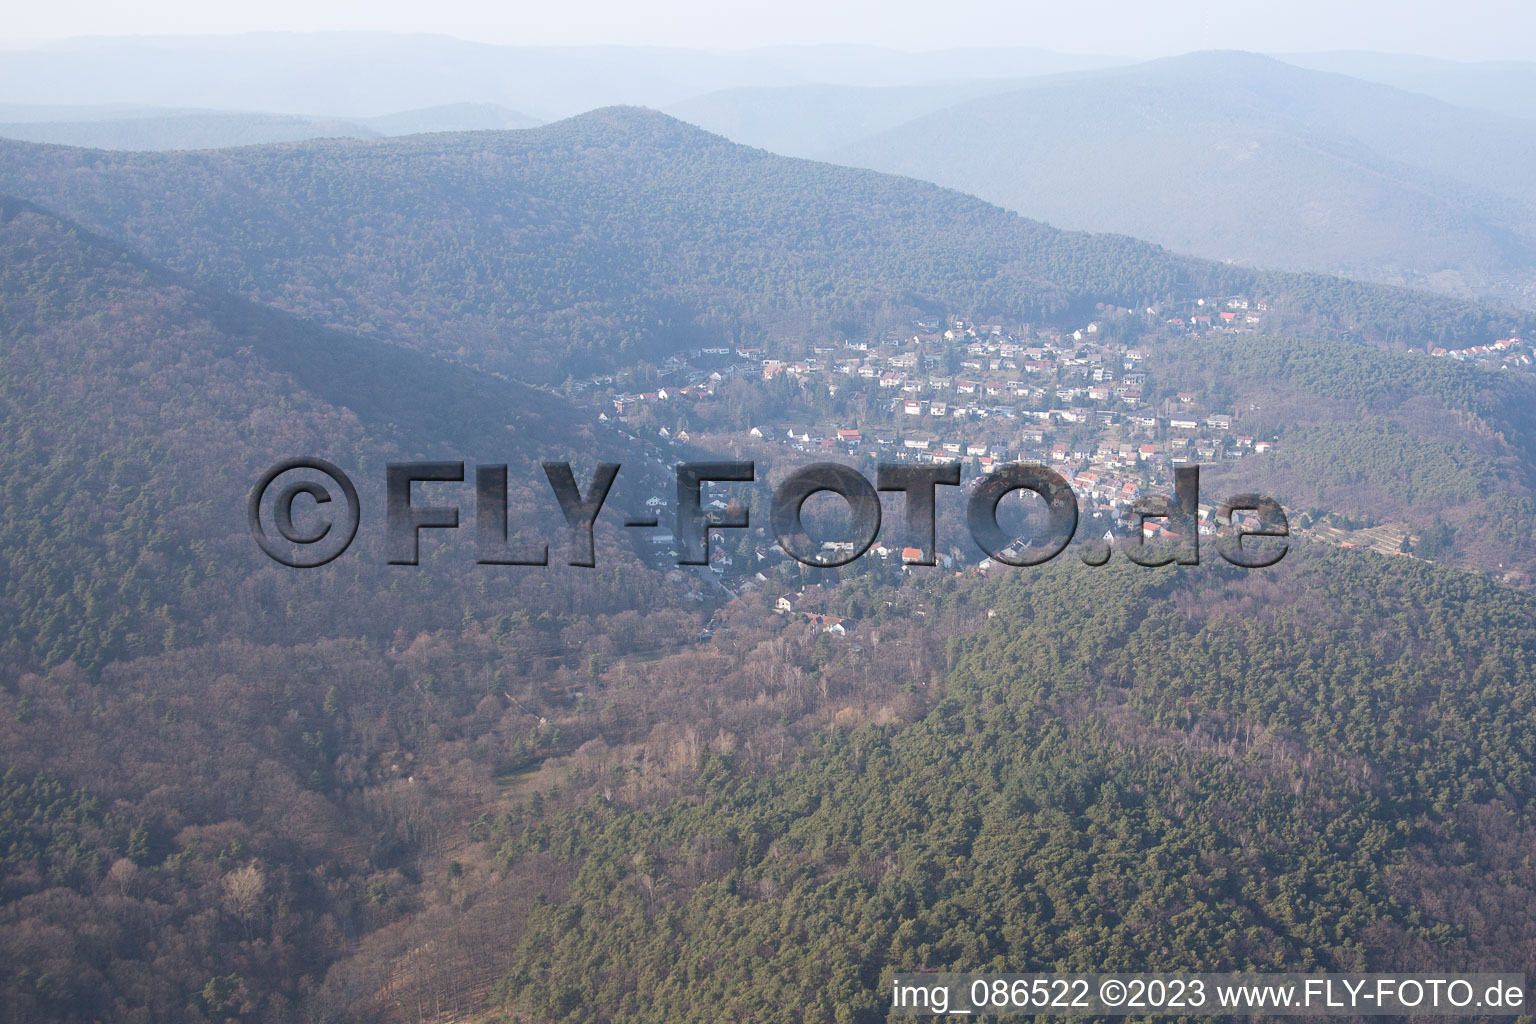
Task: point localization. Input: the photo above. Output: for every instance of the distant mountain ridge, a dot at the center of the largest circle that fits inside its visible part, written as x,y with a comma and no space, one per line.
811,121
1240,157
154,129
355,74
1502,86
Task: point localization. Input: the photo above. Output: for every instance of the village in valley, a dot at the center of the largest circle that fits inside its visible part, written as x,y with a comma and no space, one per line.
1081,401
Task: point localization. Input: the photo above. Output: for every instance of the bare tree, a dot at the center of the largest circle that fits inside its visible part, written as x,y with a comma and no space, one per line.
244,892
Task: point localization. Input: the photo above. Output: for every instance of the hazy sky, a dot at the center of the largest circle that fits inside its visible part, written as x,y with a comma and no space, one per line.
1462,29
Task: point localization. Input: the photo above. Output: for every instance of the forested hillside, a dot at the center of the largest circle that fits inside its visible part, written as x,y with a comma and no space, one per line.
139,411
1326,768
1374,437
222,779
624,234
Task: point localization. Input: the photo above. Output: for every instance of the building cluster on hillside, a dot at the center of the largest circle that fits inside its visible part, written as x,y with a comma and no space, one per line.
1505,351
979,394
983,395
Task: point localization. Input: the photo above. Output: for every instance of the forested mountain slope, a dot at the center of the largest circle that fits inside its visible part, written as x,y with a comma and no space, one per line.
1377,437
1327,767
229,770
624,234
140,409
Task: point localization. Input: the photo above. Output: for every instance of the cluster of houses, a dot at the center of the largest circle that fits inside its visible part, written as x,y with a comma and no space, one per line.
984,395
786,605
998,371
1240,314
1509,351
1076,401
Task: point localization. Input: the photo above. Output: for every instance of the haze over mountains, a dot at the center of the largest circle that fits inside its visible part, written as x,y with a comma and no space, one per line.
1502,87
368,74
1237,157
1226,155
153,128
362,74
